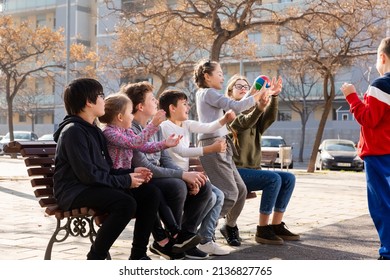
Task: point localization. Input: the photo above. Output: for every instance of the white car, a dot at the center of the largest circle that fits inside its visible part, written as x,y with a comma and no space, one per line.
18,136
273,144
46,137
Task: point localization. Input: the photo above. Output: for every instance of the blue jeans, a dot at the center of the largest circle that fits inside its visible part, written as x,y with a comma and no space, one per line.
277,187
211,215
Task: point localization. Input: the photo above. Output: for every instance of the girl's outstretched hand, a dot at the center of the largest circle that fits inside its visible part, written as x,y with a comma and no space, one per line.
275,87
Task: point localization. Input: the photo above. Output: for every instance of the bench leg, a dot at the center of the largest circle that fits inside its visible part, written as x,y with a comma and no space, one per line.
76,226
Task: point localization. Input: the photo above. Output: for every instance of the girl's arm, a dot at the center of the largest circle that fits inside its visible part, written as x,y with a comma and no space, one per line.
127,138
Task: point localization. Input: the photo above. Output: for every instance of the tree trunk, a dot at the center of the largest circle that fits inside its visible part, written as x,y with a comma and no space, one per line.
328,106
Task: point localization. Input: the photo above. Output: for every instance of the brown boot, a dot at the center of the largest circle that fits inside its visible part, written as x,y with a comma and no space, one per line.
266,235
282,231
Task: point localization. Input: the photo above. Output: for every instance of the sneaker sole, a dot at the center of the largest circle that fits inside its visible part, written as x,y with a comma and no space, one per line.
196,257
268,241
165,256
188,244
212,253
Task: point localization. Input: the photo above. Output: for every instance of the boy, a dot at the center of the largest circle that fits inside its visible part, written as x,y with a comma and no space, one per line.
82,174
374,144
174,103
170,179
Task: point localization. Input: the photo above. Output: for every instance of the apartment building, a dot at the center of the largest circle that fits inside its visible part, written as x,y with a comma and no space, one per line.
92,24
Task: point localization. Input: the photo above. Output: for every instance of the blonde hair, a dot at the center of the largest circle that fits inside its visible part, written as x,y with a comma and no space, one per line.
114,104
232,81
384,46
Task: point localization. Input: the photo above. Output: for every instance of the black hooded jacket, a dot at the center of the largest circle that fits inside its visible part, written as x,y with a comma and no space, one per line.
82,161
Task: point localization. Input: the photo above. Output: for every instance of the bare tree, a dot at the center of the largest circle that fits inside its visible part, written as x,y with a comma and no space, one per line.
300,94
344,32
26,51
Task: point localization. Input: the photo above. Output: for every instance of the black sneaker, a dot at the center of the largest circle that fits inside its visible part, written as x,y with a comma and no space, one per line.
282,231
383,258
165,252
185,240
196,254
266,235
231,235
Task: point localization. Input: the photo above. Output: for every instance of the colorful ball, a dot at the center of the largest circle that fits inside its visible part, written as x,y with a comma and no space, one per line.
261,81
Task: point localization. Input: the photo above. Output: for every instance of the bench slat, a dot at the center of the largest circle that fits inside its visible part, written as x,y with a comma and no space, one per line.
39,182
39,161
47,192
43,171
36,151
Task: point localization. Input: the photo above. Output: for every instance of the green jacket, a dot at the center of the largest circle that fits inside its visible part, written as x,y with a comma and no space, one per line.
248,127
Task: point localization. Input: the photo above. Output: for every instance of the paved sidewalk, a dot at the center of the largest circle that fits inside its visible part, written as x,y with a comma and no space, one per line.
328,209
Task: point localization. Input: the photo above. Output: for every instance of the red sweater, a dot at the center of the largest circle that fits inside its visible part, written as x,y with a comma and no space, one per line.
373,115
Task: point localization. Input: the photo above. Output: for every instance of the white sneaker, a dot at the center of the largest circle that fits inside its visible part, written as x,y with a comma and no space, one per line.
213,248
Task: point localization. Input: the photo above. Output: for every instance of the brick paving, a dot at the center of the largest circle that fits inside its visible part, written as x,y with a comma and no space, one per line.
320,199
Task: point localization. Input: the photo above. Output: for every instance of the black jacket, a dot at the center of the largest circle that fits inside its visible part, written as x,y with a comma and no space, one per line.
82,161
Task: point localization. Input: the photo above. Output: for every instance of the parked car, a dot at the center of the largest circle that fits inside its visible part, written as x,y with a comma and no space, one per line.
18,136
273,144
46,137
338,154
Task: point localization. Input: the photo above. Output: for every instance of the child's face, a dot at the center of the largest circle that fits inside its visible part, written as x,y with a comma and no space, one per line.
180,112
98,107
240,88
380,62
215,80
127,116
150,104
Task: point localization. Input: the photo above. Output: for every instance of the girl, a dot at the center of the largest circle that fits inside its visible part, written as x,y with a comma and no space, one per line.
277,187
121,140
220,167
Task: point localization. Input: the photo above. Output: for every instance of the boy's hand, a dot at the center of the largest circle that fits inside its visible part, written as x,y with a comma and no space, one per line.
194,178
219,146
145,173
172,141
158,118
347,89
193,189
136,180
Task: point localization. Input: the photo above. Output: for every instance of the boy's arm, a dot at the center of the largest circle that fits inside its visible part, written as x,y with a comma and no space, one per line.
371,112
89,171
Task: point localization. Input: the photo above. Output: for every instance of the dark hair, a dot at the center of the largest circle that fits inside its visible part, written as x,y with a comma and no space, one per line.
78,92
201,68
169,97
385,46
136,92
114,104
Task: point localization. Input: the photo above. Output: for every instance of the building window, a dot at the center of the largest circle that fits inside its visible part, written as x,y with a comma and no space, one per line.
39,119
345,117
22,118
41,20
3,119
284,115
255,38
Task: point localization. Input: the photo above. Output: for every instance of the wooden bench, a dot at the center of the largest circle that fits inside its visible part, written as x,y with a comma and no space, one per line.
196,165
39,160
